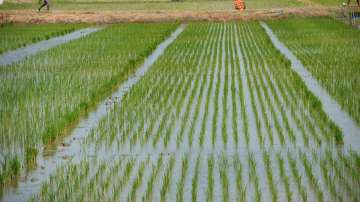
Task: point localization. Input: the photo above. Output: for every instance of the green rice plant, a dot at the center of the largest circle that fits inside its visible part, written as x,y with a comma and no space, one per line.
269,174
18,35
10,172
180,185
137,182
313,181
194,181
210,179
30,157
150,182
44,96
322,43
166,180
254,178
223,169
297,176
284,177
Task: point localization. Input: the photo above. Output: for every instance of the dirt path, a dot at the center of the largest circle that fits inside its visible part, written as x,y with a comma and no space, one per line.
31,16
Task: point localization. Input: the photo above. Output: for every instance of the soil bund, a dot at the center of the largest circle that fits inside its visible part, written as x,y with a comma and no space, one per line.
31,16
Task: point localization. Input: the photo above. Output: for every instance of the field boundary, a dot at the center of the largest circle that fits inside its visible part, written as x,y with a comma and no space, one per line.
73,150
21,53
330,106
31,16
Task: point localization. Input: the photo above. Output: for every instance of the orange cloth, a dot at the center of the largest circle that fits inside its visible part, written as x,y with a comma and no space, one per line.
239,5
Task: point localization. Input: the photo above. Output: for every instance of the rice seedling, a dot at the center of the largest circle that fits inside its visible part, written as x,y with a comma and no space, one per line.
16,36
43,96
220,116
194,181
210,190
224,178
322,43
180,185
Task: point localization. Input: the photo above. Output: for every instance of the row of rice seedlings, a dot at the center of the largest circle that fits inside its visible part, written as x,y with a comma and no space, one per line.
16,36
253,101
297,176
168,106
209,89
45,100
329,180
274,93
166,179
195,180
248,52
268,95
137,181
269,175
225,69
205,93
210,180
150,183
240,185
233,89
121,180
134,134
223,169
343,176
253,177
193,97
284,177
181,183
217,89
323,121
240,83
314,183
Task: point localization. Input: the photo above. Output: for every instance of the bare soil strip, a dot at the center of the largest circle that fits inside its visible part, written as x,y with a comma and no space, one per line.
31,16
349,127
31,183
21,53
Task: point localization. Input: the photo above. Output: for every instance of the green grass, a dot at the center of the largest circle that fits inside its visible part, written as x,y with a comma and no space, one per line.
16,36
330,51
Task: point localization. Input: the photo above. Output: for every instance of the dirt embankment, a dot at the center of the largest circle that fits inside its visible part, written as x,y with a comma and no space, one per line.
31,16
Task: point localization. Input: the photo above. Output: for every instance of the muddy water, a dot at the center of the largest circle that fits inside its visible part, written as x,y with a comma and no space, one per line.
31,184
22,53
341,118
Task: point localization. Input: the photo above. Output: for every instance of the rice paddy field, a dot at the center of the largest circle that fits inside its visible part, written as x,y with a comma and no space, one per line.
329,49
220,115
42,97
16,36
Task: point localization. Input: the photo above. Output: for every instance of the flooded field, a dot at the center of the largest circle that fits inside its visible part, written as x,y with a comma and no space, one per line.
215,113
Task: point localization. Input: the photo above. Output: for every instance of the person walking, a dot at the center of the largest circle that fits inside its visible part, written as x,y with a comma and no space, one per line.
358,3
46,3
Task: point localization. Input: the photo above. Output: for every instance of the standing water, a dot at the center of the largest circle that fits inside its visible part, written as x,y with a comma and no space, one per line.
47,166
341,118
